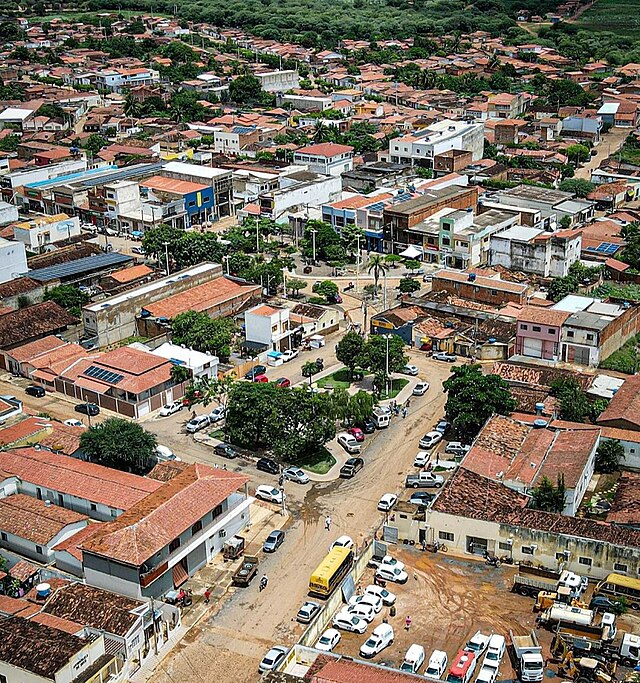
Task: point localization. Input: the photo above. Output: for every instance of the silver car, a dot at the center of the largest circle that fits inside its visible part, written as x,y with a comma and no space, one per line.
273,659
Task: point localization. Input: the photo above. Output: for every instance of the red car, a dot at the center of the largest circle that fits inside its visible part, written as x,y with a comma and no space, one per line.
356,433
283,382
261,379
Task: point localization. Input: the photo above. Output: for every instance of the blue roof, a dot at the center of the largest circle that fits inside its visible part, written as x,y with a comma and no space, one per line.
71,177
81,266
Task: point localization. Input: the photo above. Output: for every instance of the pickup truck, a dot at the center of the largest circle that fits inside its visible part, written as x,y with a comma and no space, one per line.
246,571
423,480
526,655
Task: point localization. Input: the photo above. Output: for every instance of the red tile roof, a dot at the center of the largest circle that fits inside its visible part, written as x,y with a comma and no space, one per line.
17,606
345,671
32,322
625,405
172,185
35,348
130,274
542,316
325,149
57,623
72,544
30,427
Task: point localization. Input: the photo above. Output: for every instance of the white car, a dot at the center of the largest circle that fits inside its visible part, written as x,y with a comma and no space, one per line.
289,354
217,414
388,598
349,622
477,643
366,599
410,370
342,542
389,561
457,448
363,611
437,666
197,423
487,674
388,573
273,658
387,502
420,388
328,640
296,474
422,459
171,408
381,637
348,442
430,439
74,423
269,493
165,454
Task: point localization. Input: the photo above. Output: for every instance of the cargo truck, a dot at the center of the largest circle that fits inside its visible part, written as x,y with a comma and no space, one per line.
526,657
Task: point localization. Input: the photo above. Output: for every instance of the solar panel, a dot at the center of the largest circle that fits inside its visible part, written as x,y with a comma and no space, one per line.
378,206
104,375
607,248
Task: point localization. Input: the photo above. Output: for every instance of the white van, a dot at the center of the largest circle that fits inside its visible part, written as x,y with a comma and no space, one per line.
165,454
381,416
495,651
437,665
414,659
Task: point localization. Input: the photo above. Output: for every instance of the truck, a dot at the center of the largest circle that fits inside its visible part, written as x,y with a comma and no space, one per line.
244,574
531,580
526,656
580,622
625,649
381,416
423,480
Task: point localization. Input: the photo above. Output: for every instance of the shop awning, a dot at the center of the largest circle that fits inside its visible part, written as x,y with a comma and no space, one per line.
412,252
253,346
179,574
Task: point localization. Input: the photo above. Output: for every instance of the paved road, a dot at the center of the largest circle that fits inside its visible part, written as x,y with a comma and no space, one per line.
230,644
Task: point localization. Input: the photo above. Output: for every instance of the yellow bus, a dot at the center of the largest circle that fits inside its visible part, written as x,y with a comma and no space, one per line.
620,586
330,572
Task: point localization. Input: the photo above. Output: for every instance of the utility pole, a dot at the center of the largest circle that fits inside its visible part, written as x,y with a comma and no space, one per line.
384,290
284,280
313,242
226,258
386,365
257,237
358,265
166,256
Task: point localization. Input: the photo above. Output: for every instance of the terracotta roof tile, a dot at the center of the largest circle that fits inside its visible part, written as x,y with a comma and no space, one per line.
325,149
130,274
65,625
30,427
17,607
344,671
542,316
625,405
24,570
625,507
36,348
72,544
33,321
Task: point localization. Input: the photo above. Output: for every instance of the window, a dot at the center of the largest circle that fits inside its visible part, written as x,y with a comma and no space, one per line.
94,507
536,328
551,331
222,533
196,527
3,536
39,549
620,568
217,511
404,516
446,241
3,679
523,326
561,557
39,493
503,545
60,500
589,337
445,536
192,203
527,550
494,292
570,333
174,545
586,561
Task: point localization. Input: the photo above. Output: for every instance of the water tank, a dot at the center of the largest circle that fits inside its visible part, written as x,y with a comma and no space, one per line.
472,277
492,340
539,424
539,408
43,590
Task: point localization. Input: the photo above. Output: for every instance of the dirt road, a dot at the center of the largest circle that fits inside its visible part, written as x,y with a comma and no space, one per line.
231,643
609,145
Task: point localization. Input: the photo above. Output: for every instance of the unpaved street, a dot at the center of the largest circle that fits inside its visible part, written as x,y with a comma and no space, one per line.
229,645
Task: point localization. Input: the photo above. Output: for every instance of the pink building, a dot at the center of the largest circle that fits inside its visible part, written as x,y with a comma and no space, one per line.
538,332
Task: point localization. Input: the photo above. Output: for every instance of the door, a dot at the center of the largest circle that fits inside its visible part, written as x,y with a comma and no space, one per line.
390,534
477,546
532,347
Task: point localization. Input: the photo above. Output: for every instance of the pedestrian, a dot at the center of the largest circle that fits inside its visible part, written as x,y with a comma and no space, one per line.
193,415
404,412
437,458
407,404
280,480
207,596
224,467
424,545
327,523
407,623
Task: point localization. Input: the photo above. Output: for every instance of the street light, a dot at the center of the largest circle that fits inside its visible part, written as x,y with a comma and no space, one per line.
313,243
166,256
226,259
386,365
358,264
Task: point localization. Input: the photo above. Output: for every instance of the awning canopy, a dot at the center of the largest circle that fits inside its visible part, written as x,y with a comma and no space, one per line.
411,252
254,346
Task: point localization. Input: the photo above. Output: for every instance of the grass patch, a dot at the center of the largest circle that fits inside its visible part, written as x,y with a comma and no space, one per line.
618,16
318,463
397,385
217,434
626,359
338,380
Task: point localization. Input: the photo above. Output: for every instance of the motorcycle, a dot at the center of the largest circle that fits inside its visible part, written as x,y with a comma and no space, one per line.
435,547
349,287
263,583
491,560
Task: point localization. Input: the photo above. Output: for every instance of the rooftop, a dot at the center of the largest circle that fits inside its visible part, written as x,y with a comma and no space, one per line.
479,281
539,315
625,405
80,266
163,184
325,149
33,321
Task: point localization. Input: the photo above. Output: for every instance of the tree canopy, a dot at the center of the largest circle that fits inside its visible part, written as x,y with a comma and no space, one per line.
198,331
120,444
548,497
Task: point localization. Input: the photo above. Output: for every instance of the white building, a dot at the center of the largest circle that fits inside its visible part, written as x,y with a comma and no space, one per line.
327,158
268,326
279,81
8,213
308,102
421,146
200,364
119,79
13,260
122,197
42,230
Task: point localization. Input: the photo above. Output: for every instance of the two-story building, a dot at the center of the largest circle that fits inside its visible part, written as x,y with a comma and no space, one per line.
484,290
278,81
327,158
196,198
268,328
40,231
538,332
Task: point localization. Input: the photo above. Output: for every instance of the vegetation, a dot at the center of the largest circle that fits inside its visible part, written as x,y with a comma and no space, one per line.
579,276
548,497
119,443
626,359
381,352
408,285
608,456
340,379
631,252
196,330
579,186
620,17
67,296
378,267
327,288
472,398
349,351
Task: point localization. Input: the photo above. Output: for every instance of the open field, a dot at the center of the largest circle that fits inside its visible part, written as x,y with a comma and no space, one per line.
618,16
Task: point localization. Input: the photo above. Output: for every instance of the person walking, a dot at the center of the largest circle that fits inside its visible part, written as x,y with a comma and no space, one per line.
407,623
327,523
207,596
404,413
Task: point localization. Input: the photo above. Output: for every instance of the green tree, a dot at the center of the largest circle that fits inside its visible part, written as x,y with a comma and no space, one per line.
359,406
328,289
251,407
472,398
309,369
349,351
573,403
180,374
119,443
374,354
245,90
412,264
198,331
578,153
408,285
10,143
95,142
51,110
579,186
378,267
608,456
548,497
393,260
154,239
67,296
294,285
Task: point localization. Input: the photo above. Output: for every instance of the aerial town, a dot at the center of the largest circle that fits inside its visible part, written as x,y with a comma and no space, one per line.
320,342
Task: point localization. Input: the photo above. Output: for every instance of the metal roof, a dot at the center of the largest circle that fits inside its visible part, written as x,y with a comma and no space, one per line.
125,174
79,266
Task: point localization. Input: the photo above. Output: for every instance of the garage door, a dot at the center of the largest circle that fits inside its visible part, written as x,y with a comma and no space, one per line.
533,348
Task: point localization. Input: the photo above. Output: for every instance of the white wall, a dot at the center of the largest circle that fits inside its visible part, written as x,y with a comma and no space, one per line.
41,233
13,260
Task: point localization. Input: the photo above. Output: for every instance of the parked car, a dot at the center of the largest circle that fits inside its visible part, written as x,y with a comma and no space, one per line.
366,599
422,498
268,465
260,379
389,561
495,650
348,442
255,371
443,426
381,637
171,408
424,480
328,640
289,354
273,541
363,611
457,448
342,542
356,433
488,674
269,493
165,454
296,474
197,423
430,439
437,665
307,612
444,356
217,414
388,598
226,451
388,573
410,370
347,621
420,389
368,426
137,250
87,409
387,502
273,659
422,459
351,467
477,643
35,390
601,603
282,382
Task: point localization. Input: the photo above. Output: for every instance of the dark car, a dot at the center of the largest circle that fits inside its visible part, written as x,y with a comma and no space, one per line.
351,468
226,451
255,371
601,603
35,390
367,425
87,409
423,498
268,465
274,541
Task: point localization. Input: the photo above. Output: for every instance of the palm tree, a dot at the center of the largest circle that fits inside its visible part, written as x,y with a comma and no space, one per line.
309,369
378,266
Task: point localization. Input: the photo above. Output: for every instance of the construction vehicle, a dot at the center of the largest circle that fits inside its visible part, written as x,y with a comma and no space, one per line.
586,669
546,599
581,642
531,580
579,621
526,656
